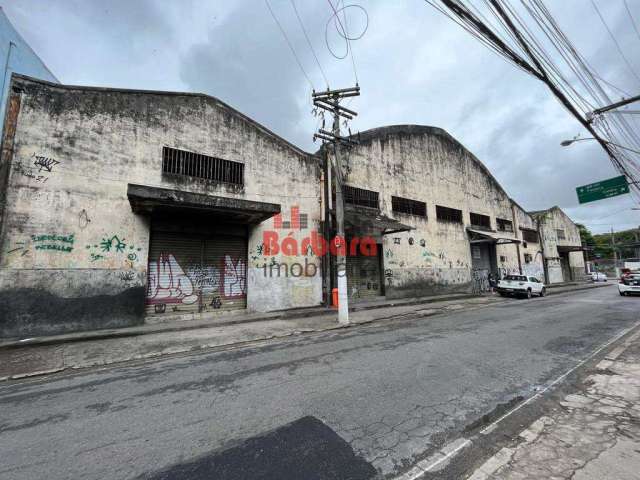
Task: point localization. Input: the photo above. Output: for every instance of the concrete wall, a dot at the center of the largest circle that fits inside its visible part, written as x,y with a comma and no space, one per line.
427,164
58,218
17,57
551,221
529,250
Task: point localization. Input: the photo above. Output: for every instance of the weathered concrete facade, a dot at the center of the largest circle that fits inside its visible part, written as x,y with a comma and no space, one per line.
426,164
119,207
562,246
73,254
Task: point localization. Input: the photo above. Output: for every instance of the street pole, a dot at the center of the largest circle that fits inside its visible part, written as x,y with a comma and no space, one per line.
329,100
615,254
341,259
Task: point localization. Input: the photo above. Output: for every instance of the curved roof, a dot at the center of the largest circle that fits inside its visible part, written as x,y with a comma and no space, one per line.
418,130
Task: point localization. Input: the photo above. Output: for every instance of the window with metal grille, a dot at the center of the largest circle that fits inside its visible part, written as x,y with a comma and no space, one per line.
446,214
190,164
528,258
478,220
530,236
560,234
411,207
360,196
504,225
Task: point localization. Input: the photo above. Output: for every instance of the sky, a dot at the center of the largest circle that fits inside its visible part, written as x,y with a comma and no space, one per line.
414,66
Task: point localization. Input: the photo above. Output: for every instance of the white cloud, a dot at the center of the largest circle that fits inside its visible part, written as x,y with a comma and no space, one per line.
413,64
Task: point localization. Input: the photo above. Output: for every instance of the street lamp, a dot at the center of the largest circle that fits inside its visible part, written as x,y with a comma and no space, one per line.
566,143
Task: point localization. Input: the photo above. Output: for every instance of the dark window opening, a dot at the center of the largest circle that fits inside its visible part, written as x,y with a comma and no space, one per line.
560,234
530,236
446,214
527,258
482,221
360,196
190,164
410,207
504,225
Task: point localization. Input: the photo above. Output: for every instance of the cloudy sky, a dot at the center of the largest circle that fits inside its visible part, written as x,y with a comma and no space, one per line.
413,65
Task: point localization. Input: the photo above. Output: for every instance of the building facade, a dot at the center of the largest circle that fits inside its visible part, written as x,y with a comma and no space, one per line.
120,207
563,252
17,57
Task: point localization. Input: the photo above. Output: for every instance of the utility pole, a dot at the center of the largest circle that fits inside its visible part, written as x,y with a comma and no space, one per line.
329,100
615,254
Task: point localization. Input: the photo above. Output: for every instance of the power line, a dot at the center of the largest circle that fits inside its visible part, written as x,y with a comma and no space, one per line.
633,22
615,41
273,15
293,4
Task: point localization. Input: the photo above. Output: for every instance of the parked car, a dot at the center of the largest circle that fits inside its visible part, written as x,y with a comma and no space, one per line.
598,277
520,286
629,284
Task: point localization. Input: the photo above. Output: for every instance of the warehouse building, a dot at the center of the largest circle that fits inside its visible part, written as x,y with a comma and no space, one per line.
120,207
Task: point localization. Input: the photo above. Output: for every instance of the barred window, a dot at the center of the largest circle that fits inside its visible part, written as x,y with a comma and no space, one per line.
360,196
408,206
478,220
197,165
560,234
530,236
446,214
504,225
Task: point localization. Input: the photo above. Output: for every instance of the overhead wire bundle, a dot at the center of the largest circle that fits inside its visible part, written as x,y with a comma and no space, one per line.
531,39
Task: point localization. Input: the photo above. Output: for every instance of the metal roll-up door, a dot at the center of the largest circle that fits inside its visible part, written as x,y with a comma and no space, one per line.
192,273
227,255
363,276
172,258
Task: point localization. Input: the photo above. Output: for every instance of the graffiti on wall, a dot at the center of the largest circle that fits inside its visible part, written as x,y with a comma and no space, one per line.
44,163
169,284
480,280
39,170
111,246
235,280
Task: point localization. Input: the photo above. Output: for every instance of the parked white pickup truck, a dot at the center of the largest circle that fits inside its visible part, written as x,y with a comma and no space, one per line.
520,286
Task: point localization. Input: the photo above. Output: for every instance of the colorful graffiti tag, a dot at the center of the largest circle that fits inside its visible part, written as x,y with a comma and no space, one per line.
199,287
168,284
235,279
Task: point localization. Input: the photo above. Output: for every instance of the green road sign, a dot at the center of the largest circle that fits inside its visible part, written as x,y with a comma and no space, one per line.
611,187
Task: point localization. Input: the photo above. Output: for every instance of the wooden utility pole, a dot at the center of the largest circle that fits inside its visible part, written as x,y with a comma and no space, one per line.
329,100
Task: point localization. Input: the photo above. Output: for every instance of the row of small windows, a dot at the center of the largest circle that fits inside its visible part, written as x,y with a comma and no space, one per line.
185,163
368,198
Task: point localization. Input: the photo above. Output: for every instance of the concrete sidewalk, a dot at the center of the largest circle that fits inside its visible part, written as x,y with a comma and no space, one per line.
41,355
595,436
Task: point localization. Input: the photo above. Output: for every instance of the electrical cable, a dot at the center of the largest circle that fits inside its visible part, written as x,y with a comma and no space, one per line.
615,41
633,22
284,34
293,4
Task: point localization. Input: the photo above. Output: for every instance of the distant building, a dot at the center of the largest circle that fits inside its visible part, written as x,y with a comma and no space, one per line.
120,207
17,57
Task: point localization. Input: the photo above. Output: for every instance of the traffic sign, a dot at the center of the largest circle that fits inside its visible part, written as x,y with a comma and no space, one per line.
611,187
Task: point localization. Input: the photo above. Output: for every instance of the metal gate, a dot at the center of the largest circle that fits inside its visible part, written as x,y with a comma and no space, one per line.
190,273
363,276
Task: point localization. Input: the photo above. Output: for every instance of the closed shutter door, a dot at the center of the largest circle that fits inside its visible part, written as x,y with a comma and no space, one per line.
225,258
363,276
190,273
171,259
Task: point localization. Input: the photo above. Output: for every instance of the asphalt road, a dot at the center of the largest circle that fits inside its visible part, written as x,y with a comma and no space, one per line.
353,404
